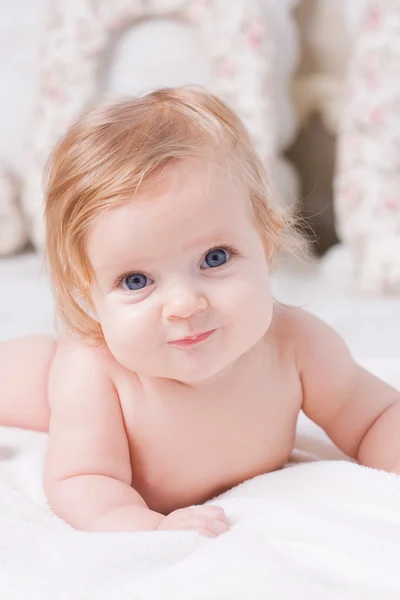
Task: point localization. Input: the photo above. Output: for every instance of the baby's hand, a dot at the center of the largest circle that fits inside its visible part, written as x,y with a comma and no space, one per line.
207,520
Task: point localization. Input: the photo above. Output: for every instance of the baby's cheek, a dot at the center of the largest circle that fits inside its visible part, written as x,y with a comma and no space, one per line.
131,330
252,305
125,334
248,294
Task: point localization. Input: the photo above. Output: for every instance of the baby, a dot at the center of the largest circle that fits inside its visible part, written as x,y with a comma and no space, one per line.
175,376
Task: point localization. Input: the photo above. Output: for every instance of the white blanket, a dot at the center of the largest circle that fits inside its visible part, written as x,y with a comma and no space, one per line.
328,529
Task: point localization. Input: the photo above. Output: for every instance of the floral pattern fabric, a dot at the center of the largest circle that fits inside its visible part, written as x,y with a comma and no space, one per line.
13,234
367,183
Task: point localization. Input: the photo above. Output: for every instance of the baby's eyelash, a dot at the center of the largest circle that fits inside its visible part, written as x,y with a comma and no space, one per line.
120,279
232,250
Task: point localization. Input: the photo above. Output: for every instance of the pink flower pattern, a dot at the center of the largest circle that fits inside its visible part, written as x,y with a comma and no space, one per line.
13,235
367,183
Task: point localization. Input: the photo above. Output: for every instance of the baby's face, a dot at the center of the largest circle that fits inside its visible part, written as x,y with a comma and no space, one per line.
181,278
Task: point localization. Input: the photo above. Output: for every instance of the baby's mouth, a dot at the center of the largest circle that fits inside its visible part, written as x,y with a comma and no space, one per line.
192,340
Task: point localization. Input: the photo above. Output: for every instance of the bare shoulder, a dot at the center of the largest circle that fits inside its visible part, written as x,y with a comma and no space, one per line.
294,321
86,350
85,356
306,334
79,366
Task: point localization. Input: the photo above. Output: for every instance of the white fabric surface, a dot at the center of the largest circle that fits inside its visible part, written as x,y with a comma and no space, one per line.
326,529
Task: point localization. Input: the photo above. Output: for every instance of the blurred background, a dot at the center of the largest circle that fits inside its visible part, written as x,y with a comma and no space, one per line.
317,82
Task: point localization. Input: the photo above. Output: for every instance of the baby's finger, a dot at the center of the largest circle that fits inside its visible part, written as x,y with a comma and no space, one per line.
213,511
205,532
217,527
211,525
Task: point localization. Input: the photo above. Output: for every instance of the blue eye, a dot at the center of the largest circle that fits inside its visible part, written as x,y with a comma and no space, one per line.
135,281
216,258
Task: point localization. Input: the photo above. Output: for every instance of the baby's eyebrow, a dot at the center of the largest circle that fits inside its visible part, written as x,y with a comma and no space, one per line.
208,241
123,263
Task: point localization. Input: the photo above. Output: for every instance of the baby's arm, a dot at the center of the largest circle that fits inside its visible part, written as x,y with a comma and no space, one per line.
87,476
358,411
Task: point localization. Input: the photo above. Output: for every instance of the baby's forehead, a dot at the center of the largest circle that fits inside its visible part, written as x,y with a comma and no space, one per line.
157,242
187,208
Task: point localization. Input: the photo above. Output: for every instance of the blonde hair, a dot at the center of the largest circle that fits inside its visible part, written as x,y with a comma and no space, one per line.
116,147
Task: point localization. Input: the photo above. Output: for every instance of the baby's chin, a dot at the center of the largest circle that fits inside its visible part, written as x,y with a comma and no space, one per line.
202,376
189,370
201,370
196,374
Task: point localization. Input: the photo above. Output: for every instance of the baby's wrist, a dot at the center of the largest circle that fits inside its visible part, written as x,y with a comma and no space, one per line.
128,519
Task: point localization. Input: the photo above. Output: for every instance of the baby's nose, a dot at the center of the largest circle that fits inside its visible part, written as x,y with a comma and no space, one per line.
183,303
